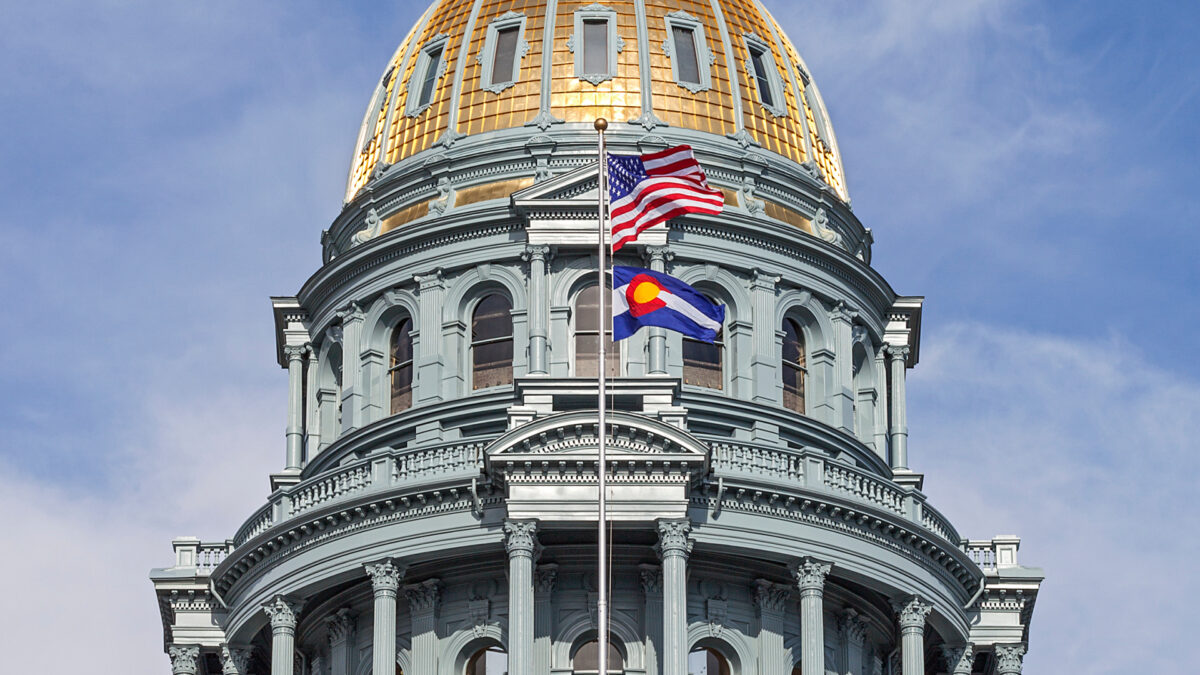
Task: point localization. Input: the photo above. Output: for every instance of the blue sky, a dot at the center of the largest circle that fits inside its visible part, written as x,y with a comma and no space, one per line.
1029,167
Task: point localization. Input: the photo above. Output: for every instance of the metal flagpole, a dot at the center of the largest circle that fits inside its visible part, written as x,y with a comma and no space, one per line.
602,608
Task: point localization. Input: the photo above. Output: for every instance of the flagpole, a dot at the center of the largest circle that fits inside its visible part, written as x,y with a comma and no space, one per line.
602,463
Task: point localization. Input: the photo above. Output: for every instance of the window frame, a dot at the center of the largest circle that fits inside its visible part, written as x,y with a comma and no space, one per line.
616,44
413,106
705,57
617,352
393,367
802,368
472,343
776,85
487,55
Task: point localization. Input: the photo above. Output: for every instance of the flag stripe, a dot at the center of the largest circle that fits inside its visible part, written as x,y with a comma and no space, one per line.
654,188
663,210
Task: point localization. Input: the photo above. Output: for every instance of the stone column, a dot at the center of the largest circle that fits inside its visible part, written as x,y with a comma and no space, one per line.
771,600
385,582
234,660
959,658
810,579
295,416
674,546
657,257
897,357
423,603
854,635
340,627
282,612
537,256
1009,658
183,659
842,319
429,359
912,634
312,417
544,580
520,541
652,613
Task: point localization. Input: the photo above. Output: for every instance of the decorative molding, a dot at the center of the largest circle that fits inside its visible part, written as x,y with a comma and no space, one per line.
235,660
372,226
774,80
545,578
853,628
385,576
959,658
717,612
478,613
770,596
340,626
283,613
651,579
616,44
810,574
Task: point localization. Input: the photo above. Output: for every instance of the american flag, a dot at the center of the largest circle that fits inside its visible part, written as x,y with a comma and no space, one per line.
650,189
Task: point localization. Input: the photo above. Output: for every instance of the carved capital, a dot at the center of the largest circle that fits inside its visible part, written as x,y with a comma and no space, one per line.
428,281
1009,658
810,574
385,576
545,577
651,578
235,660
912,613
898,351
183,659
771,597
423,597
295,352
519,537
653,254
959,658
673,538
340,626
351,312
538,252
283,612
853,628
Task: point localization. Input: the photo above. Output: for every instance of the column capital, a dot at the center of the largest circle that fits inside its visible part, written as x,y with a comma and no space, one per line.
296,352
959,658
653,254
183,659
385,575
340,625
853,627
912,612
1009,658
770,596
540,252
545,577
673,539
351,312
283,612
810,574
650,577
428,280
520,537
423,597
897,351
842,312
235,660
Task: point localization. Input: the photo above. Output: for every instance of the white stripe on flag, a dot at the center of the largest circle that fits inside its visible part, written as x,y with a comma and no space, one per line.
629,228
680,305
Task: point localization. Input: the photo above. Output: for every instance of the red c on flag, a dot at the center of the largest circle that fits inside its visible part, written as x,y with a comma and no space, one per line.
642,295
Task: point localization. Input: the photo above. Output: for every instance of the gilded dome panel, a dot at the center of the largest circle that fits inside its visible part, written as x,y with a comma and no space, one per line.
482,110
576,100
704,110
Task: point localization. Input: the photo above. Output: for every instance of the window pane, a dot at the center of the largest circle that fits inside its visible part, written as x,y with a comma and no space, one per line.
685,54
492,345
588,658
401,366
793,343
586,317
702,364
760,75
493,319
431,74
506,54
490,661
707,662
595,46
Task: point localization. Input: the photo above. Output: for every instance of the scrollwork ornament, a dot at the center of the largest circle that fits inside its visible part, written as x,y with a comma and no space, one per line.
651,579
234,660
912,613
1009,658
519,537
183,659
898,352
385,576
853,627
673,538
810,574
283,613
340,626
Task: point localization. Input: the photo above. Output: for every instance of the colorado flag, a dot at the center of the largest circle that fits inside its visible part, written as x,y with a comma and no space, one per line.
643,297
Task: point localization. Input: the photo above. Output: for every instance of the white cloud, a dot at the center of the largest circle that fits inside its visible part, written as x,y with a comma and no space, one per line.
1088,452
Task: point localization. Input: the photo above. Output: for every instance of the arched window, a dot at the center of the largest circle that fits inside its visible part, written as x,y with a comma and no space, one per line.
492,342
401,370
703,363
587,659
707,661
587,336
794,366
488,661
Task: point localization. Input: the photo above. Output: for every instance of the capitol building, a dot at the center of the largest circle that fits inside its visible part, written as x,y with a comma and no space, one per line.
435,510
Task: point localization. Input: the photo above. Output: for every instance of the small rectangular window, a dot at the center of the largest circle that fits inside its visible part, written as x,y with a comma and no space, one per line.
432,65
595,46
685,54
761,75
506,54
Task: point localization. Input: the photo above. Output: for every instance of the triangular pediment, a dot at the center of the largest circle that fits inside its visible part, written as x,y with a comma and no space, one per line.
575,188
576,434
564,209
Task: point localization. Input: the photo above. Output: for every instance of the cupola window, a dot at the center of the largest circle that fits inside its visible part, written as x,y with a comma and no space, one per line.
502,51
401,370
691,60
587,336
794,366
767,82
587,659
435,60
595,43
428,70
492,343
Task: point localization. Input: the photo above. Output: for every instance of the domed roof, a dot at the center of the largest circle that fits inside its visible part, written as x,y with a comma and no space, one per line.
719,67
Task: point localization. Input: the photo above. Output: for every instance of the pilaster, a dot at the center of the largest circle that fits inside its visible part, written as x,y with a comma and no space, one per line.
423,600
431,290
340,627
854,635
959,658
521,543
235,660
810,579
295,415
283,613
842,318
770,599
352,386
656,257
183,659
764,360
1009,658
674,547
544,580
385,582
912,614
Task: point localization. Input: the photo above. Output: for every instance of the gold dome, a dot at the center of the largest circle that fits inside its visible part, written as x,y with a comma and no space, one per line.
732,38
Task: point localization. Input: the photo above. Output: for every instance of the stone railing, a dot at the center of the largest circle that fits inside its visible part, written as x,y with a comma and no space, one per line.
994,553
935,522
330,487
203,556
862,486
260,522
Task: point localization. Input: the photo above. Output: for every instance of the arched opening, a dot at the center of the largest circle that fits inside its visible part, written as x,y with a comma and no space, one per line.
707,661
491,660
587,336
401,369
704,362
587,659
794,366
492,342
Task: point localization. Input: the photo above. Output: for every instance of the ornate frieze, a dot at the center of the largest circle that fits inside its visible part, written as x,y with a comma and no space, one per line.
385,576
810,574
183,659
283,613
